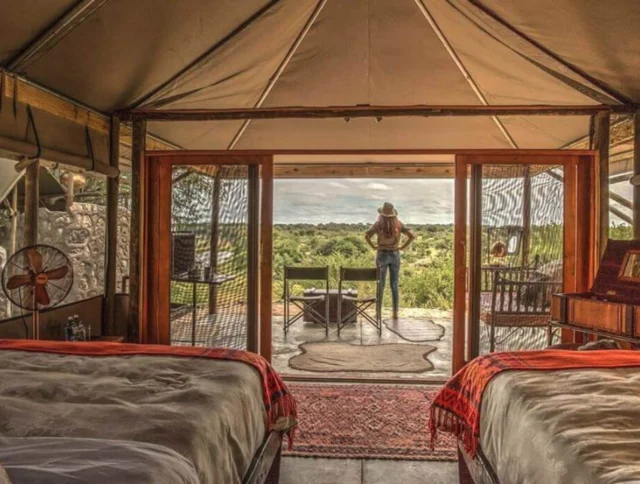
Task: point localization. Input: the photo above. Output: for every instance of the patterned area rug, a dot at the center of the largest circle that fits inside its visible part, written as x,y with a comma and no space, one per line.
366,422
415,330
335,356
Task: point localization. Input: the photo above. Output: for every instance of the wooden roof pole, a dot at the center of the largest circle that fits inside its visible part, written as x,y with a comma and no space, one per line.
326,112
526,216
272,82
596,82
111,227
636,171
31,203
57,31
43,99
137,276
463,69
602,123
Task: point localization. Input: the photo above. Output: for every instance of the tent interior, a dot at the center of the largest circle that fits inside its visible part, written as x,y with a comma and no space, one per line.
107,106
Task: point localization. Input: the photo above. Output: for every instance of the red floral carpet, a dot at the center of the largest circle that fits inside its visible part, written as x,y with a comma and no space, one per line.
366,421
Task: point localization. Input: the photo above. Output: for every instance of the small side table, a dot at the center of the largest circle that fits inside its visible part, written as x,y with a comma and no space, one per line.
213,280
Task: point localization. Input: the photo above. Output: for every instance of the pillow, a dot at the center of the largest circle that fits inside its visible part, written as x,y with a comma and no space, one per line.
603,344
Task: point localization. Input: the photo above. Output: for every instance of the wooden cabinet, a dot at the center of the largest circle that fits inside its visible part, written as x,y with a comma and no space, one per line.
613,304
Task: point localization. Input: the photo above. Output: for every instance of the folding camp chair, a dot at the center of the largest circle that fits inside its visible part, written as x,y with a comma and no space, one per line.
359,304
308,304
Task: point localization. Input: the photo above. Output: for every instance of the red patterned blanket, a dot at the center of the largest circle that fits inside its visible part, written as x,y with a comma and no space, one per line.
456,408
278,402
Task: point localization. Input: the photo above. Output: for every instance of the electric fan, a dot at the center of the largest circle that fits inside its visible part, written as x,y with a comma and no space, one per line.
37,277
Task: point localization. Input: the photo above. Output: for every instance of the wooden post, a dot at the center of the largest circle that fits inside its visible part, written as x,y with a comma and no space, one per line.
602,122
31,199
70,192
14,233
460,265
213,241
111,228
253,257
266,260
636,171
137,233
14,220
475,258
526,216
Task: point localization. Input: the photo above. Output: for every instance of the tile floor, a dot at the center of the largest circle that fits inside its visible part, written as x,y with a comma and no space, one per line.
302,470
285,347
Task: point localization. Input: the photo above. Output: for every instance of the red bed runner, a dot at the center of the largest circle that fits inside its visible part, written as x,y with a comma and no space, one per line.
278,401
456,408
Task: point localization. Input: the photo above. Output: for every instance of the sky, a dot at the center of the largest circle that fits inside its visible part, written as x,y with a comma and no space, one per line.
418,201
356,200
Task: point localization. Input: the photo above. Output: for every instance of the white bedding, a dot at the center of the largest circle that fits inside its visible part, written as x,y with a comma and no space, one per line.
49,460
209,411
563,427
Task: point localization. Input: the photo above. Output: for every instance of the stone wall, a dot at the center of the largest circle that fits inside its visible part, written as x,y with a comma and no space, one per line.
80,234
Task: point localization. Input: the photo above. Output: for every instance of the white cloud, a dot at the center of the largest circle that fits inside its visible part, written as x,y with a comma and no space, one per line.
320,200
377,186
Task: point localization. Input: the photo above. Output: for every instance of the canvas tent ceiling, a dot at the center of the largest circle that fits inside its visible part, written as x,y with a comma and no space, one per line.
230,54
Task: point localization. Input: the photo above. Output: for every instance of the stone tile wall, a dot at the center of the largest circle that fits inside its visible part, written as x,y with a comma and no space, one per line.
80,234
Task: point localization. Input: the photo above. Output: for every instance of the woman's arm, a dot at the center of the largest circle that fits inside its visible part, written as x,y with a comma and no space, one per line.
410,238
367,237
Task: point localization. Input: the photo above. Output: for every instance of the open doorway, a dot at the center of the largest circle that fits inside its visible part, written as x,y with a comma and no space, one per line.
322,223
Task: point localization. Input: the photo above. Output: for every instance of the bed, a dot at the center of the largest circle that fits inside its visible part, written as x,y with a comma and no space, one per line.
577,423
211,411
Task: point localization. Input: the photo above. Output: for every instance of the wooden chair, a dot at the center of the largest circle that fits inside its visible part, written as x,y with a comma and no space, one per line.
360,304
517,303
516,273
306,304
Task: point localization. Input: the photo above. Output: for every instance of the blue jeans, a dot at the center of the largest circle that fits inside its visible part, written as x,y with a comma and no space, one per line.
389,259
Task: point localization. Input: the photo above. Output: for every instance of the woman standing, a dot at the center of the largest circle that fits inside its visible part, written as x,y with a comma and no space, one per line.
389,230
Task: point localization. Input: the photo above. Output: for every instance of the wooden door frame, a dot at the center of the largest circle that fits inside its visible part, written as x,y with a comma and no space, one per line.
581,227
153,317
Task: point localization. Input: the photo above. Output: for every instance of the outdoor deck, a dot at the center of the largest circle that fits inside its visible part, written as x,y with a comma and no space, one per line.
229,331
361,333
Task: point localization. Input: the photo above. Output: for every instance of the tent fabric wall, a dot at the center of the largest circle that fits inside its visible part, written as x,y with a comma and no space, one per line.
54,133
599,37
377,52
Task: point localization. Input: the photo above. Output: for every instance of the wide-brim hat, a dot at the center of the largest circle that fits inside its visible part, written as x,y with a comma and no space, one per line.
387,210
635,180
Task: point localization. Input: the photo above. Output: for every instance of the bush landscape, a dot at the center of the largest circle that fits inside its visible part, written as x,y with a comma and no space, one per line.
426,272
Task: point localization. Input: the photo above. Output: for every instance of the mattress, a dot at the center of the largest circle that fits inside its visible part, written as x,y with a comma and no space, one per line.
49,460
563,427
209,411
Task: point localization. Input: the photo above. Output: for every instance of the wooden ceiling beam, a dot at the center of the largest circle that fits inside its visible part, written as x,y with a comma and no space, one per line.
45,100
324,112
57,31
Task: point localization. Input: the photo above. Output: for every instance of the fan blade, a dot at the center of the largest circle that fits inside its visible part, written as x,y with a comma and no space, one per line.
42,296
18,281
26,297
57,273
35,259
